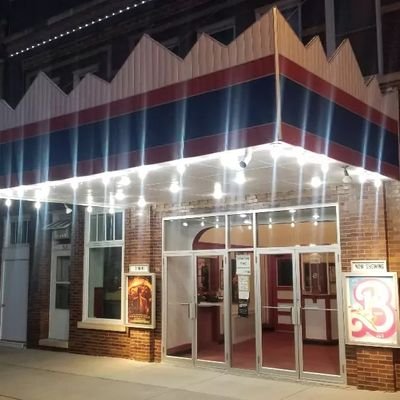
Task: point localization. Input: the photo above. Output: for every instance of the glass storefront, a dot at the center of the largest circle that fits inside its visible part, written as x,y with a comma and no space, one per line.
255,290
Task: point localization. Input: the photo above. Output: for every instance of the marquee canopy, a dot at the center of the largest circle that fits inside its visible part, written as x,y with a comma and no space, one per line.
265,86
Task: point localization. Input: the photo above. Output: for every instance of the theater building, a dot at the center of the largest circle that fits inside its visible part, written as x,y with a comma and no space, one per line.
237,209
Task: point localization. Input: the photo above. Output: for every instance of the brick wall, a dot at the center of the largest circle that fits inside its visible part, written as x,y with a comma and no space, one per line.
39,285
368,229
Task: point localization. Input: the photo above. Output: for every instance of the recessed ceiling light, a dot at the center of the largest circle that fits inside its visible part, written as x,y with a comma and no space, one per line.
174,187
181,168
377,182
325,167
20,191
38,205
218,194
74,184
106,179
124,181
142,173
8,202
141,202
89,209
120,195
316,182
240,178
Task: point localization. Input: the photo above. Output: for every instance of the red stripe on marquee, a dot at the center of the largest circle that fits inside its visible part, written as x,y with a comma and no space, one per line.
311,81
203,84
253,136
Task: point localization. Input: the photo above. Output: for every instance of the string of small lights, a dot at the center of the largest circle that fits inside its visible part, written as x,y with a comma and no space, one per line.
81,27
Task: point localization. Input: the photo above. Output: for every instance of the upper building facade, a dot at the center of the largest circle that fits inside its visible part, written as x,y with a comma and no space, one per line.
101,48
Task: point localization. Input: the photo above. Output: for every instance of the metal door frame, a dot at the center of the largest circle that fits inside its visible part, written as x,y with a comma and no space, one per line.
267,370
193,361
299,373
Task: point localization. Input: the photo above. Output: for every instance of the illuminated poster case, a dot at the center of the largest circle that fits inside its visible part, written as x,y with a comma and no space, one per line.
371,309
140,310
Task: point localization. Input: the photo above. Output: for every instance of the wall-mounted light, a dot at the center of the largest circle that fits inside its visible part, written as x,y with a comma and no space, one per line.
68,210
346,177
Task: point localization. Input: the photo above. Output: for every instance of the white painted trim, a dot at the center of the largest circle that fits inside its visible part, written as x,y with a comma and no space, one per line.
103,244
101,326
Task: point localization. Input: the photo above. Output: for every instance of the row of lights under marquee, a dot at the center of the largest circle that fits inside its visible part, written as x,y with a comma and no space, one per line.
236,161
246,220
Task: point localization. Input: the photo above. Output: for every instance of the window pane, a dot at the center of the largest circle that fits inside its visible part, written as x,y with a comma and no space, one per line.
93,228
110,227
241,230
105,283
62,296
100,227
300,228
63,264
13,232
118,226
199,233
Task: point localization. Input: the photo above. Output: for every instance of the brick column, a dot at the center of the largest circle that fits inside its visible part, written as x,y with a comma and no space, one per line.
363,235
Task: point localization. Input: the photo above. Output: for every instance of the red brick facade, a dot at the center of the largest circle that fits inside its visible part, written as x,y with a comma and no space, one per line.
369,229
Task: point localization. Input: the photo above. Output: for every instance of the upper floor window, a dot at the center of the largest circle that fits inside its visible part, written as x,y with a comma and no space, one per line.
103,265
290,9
223,31
80,73
18,231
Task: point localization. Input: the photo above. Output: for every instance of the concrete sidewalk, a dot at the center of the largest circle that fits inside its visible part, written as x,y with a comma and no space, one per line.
43,375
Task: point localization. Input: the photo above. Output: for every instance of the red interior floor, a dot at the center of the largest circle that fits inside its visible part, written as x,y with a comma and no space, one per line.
278,352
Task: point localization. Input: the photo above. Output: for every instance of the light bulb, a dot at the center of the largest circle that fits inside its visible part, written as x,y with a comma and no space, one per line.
316,182
240,178
141,202
218,194
185,224
8,203
38,205
89,209
174,187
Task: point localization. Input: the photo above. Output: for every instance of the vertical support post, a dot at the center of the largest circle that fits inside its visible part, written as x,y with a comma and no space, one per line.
379,40
330,27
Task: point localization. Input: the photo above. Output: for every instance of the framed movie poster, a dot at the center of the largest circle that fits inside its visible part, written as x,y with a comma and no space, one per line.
140,307
371,308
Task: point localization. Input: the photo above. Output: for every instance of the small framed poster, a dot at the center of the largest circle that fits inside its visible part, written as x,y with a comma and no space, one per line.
140,310
371,309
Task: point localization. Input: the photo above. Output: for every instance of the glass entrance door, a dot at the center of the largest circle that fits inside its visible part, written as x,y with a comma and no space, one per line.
298,325
242,310
320,348
180,307
210,315
278,327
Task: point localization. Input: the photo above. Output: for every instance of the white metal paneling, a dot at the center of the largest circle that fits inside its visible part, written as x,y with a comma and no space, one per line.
150,66
341,69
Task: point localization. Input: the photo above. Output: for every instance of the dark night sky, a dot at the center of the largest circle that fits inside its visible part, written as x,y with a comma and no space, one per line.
22,14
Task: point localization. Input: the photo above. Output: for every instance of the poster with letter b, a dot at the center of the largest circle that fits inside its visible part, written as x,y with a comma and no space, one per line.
371,309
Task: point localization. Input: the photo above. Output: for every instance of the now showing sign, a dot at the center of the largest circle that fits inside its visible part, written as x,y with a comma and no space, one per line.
367,266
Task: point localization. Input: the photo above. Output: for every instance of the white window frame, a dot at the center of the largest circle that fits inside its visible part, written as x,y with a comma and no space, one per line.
101,244
218,27
7,233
